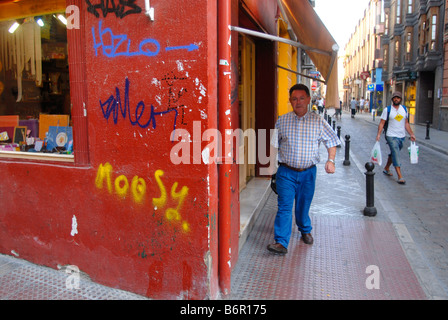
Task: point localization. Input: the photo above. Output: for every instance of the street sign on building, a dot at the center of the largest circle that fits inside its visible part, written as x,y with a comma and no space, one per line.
315,74
364,75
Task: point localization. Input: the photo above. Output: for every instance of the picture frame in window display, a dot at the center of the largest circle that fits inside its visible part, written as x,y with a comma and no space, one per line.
59,137
19,134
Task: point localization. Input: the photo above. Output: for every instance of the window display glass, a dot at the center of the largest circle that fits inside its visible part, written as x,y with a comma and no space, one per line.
34,86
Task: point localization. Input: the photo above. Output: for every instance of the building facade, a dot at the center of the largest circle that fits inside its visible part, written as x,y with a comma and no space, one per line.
363,62
443,110
413,47
408,57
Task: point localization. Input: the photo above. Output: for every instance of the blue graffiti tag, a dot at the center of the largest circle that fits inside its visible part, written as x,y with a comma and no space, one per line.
119,45
113,106
112,48
189,47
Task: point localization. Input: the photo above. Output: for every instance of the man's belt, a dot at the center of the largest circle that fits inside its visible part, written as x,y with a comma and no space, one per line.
295,169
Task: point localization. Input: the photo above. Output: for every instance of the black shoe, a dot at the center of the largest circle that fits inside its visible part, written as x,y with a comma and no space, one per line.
307,238
277,248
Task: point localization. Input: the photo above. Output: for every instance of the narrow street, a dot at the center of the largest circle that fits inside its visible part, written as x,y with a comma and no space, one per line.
420,206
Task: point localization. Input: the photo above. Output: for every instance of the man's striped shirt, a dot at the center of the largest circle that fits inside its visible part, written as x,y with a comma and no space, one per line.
298,139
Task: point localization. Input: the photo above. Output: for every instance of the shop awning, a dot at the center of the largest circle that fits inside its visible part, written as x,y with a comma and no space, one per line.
314,38
311,32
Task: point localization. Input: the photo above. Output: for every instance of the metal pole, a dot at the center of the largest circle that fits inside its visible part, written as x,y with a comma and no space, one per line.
370,209
224,170
347,151
339,135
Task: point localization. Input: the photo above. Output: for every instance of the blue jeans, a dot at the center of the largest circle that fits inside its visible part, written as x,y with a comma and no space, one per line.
298,186
395,145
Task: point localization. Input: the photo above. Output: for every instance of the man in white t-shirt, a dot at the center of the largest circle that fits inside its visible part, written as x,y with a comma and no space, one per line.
396,129
361,104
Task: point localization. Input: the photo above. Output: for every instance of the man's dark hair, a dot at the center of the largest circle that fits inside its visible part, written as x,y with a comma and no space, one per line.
299,86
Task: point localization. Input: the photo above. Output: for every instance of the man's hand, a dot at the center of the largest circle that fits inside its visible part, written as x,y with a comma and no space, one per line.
378,137
330,167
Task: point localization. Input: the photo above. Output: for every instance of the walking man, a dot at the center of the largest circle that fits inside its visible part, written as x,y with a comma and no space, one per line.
320,105
361,104
353,107
297,138
394,120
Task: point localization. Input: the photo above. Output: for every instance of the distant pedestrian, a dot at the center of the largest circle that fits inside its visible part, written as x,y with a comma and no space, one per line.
366,105
353,107
361,105
320,105
394,120
297,139
338,112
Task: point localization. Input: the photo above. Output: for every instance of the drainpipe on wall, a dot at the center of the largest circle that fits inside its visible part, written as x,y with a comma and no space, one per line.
78,87
224,169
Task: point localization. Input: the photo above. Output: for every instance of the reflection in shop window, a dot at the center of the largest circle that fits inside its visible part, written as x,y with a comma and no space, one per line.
408,47
34,86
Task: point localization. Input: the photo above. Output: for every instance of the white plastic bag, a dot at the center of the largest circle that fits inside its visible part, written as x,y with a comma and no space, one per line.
413,153
375,155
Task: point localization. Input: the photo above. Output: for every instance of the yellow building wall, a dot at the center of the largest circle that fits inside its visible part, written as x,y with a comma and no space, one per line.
287,58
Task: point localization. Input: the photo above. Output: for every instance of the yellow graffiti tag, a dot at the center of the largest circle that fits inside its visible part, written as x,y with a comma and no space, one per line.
104,172
171,213
161,201
121,183
137,188
121,186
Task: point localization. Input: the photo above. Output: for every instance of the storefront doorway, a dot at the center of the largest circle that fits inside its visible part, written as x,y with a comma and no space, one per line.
247,143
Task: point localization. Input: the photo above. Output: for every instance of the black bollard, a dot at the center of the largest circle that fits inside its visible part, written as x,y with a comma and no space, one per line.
334,124
370,209
339,135
347,151
329,119
427,130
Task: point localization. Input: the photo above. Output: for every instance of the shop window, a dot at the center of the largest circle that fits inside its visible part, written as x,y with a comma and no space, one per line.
410,96
35,108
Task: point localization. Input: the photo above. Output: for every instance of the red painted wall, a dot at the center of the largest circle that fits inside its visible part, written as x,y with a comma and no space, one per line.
144,224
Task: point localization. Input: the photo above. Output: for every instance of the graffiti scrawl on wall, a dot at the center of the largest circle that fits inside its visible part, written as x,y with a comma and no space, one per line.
121,8
115,106
172,96
115,45
136,190
120,45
